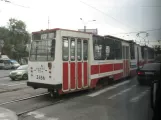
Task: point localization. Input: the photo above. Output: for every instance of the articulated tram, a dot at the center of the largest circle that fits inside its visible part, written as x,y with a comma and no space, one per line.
65,61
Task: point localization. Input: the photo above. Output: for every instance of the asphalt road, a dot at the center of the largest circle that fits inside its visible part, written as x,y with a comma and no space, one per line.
125,100
4,73
11,90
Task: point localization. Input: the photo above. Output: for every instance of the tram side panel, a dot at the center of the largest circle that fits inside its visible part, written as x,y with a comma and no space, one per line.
75,61
114,64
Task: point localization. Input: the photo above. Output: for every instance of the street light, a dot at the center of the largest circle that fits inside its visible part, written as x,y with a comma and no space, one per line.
85,23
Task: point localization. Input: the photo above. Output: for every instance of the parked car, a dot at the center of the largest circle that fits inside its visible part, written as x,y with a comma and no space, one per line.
20,73
148,73
2,63
11,64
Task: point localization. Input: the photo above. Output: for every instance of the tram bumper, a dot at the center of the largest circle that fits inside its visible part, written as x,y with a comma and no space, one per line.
43,85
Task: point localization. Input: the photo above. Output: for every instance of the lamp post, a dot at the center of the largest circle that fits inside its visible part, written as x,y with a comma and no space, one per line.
85,23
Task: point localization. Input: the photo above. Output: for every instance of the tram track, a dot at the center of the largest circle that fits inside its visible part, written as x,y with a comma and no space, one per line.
22,99
3,90
25,105
60,99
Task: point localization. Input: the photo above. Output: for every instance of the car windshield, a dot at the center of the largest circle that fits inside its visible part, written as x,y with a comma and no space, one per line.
151,66
14,62
24,67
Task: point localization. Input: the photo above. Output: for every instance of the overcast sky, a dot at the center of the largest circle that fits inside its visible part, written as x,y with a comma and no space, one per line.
112,16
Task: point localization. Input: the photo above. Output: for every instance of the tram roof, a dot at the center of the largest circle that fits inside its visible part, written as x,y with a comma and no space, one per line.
55,29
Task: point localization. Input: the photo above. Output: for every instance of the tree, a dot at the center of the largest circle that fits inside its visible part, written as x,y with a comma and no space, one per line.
15,38
17,29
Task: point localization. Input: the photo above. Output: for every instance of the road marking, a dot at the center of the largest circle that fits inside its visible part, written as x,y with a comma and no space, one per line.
41,116
137,98
107,89
122,92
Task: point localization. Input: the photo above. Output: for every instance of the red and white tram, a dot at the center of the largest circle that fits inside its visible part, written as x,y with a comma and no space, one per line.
64,61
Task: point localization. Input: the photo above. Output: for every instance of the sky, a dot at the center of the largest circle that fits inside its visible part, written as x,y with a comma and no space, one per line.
113,17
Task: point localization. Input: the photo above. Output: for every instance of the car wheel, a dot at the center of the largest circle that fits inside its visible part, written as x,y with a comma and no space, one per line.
25,77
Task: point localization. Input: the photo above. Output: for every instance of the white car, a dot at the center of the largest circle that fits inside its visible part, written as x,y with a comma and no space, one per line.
20,73
11,64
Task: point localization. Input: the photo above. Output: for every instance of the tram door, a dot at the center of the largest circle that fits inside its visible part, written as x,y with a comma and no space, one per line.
75,64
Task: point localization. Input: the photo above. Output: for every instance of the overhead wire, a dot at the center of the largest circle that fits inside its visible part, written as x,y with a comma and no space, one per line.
149,30
129,26
7,1
137,31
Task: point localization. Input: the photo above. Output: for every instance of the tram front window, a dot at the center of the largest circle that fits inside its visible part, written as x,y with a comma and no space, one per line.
42,50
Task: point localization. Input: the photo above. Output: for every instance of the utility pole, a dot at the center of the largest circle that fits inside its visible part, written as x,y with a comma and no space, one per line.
84,28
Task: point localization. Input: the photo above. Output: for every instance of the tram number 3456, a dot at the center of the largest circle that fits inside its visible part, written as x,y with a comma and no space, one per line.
40,77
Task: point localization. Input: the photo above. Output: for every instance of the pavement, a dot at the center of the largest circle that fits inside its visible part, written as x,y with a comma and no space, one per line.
125,100
6,114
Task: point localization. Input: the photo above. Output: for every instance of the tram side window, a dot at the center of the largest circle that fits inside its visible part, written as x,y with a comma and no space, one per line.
85,50
127,52
99,48
150,54
72,49
65,49
51,49
79,50
110,53
118,50
142,52
145,54
132,51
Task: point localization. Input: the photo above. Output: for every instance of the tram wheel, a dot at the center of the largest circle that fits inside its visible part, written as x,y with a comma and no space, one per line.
53,93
